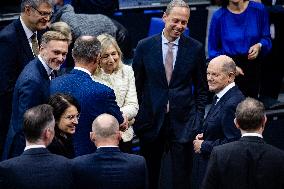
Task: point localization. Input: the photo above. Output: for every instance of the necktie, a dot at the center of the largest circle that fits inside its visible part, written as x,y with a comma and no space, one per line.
35,47
214,101
169,62
52,74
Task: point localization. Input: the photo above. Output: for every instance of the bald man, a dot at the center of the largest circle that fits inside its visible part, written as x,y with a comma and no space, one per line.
218,127
108,167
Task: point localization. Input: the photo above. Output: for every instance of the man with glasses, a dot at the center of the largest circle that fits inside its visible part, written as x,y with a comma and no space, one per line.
18,46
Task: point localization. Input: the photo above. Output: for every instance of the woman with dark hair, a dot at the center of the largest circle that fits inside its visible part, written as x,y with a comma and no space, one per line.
240,29
66,114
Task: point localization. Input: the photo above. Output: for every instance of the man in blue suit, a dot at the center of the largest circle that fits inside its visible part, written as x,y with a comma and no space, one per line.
94,98
219,127
36,167
249,162
32,87
108,167
167,67
16,51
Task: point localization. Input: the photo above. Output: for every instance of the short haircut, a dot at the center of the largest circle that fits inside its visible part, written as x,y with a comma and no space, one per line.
36,120
225,3
106,41
250,114
86,49
62,27
228,64
52,35
176,3
105,126
34,3
60,102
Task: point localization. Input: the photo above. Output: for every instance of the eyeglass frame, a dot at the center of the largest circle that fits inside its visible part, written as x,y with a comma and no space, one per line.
41,13
72,117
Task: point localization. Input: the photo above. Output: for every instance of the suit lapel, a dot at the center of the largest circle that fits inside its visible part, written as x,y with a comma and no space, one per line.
23,40
157,56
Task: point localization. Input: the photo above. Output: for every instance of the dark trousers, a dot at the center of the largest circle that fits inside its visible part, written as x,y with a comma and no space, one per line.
169,163
249,83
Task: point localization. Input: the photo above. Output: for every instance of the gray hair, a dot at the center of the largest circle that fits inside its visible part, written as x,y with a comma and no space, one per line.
35,3
105,126
250,114
228,64
176,3
86,48
36,120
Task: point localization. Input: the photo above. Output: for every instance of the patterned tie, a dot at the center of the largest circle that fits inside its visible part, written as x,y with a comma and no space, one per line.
52,74
35,47
169,62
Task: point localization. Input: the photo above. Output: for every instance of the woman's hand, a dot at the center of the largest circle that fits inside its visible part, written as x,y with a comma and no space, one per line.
254,51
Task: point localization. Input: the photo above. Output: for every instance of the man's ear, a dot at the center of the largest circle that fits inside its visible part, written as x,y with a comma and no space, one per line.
93,136
264,121
236,123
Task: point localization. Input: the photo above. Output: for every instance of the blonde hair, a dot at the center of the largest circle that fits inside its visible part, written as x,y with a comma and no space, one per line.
106,41
64,28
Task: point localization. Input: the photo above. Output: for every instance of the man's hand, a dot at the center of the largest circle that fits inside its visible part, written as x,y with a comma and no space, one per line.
197,145
124,125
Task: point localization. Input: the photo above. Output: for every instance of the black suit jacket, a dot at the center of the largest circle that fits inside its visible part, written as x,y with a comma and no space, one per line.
186,105
109,168
36,169
15,53
249,163
219,127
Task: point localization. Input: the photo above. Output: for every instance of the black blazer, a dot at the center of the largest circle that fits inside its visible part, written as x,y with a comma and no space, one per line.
37,169
186,105
249,163
219,127
109,168
15,53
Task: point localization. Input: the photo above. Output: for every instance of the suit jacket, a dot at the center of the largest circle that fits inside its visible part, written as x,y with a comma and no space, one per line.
109,168
186,105
38,169
245,164
32,89
15,53
94,99
219,127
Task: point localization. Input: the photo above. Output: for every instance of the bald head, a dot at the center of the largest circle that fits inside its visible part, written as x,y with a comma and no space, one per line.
105,126
221,72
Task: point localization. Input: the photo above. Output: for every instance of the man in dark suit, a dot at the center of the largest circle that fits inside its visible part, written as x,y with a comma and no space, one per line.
16,51
167,67
218,127
32,87
250,162
108,167
37,168
94,98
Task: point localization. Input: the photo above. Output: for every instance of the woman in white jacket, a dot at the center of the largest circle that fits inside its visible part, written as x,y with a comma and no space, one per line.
120,77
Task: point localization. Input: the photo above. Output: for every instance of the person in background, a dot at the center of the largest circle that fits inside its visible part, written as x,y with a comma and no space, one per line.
32,87
218,127
170,74
18,46
108,167
94,98
248,162
240,30
66,111
113,73
36,167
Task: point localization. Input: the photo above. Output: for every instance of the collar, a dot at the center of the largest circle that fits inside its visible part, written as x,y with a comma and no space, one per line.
252,134
83,70
32,146
226,89
46,67
107,146
28,32
165,41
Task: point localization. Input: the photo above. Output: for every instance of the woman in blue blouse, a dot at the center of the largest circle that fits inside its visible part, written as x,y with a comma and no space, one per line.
240,29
